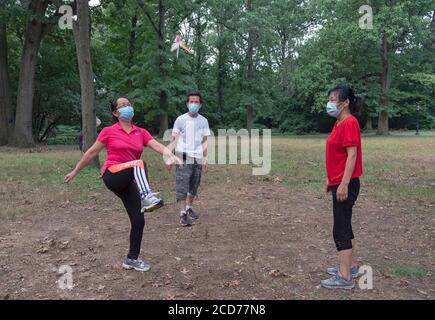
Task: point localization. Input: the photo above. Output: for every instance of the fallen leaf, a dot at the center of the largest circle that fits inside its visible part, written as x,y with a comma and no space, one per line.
274,273
422,292
169,296
187,286
42,250
404,283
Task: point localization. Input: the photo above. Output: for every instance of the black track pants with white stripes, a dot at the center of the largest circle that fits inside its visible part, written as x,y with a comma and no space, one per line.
129,184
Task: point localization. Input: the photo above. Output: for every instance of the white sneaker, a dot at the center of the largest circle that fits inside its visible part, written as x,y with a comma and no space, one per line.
150,202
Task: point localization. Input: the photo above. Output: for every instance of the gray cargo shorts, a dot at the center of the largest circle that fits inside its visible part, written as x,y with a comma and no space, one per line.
187,180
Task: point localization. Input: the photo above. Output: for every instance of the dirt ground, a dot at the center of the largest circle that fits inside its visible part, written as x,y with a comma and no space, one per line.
256,239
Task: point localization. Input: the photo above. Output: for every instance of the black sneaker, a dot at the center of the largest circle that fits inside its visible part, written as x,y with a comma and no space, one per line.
192,214
185,220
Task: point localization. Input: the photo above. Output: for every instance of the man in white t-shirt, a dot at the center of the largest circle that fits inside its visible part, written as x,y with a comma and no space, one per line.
189,138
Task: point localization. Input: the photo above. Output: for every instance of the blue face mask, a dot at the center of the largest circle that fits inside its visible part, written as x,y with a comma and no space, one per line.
126,113
332,110
193,107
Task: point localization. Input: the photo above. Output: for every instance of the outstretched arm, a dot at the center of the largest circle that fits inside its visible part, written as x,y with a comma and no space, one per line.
168,156
84,161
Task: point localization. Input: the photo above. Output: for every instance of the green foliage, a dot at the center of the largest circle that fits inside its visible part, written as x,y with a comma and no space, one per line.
301,49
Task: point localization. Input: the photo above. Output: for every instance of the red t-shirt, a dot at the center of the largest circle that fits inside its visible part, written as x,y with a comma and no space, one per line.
122,146
346,134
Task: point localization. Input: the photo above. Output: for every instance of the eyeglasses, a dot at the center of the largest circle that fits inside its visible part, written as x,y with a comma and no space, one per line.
127,105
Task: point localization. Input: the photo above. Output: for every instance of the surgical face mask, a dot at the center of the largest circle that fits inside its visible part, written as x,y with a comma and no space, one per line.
193,107
332,110
126,113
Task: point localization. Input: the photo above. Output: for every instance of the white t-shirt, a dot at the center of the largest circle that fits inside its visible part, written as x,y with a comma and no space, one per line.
191,131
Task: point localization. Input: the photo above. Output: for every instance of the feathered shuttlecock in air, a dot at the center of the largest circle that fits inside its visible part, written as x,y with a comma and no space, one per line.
178,43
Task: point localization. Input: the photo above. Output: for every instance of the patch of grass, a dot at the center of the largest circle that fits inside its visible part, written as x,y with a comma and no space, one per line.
402,166
394,167
46,170
12,216
408,271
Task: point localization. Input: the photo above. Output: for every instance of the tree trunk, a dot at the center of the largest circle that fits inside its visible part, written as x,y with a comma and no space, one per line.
163,98
131,48
385,85
23,136
48,129
82,41
430,44
369,124
251,44
220,81
6,110
432,28
220,69
198,52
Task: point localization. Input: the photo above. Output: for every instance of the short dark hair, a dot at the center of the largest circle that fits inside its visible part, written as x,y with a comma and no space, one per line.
194,93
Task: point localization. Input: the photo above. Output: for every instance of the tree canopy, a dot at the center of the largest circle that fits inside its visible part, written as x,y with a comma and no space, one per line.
257,63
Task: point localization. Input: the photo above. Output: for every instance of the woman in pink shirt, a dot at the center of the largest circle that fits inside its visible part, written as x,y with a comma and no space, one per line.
125,174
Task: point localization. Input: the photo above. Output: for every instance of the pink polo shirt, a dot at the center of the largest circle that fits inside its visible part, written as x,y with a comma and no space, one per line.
122,146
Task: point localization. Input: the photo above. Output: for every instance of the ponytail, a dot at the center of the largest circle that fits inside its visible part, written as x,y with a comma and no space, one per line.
355,102
356,106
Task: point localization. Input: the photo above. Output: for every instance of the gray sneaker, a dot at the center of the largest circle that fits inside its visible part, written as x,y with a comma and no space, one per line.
338,282
138,265
334,270
185,220
150,202
192,214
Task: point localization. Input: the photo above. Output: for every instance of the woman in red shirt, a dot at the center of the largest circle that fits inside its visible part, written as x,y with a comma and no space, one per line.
125,174
344,167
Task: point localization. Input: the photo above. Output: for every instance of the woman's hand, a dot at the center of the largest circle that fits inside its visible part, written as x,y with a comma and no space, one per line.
173,160
327,188
168,157
342,192
70,176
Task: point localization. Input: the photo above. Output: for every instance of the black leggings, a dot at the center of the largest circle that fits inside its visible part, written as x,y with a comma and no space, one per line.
342,231
123,184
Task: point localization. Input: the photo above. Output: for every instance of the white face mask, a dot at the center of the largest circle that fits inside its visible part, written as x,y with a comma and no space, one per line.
332,109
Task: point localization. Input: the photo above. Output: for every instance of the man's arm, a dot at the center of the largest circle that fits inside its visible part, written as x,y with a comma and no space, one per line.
205,154
175,135
173,142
